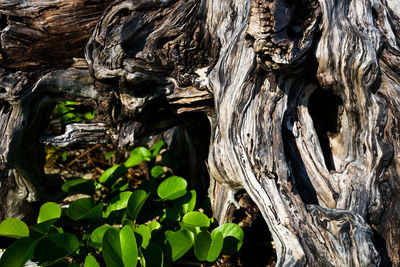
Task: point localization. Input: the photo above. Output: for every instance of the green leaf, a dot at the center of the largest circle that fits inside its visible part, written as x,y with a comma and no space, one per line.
64,156
196,219
154,255
155,149
120,185
133,160
19,252
233,237
186,203
154,226
172,188
43,227
143,152
109,176
136,202
170,214
96,237
128,246
70,103
14,228
79,186
110,154
112,249
216,247
180,242
84,208
49,211
119,202
55,247
90,261
157,171
144,233
120,249
206,248
192,203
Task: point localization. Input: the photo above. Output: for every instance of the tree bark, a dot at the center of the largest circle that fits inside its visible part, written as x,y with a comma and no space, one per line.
302,99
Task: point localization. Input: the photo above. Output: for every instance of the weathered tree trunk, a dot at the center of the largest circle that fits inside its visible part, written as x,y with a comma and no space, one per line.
302,98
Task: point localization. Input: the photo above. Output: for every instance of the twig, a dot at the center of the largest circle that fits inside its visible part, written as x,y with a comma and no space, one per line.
81,155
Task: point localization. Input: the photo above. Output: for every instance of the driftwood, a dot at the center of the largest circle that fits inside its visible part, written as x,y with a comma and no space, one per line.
302,99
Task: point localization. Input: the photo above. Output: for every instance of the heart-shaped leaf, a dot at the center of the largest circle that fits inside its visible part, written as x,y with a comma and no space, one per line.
172,188
233,237
136,202
120,249
206,248
14,228
180,242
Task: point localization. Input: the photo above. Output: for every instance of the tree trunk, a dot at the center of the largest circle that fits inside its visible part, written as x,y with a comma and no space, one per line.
302,98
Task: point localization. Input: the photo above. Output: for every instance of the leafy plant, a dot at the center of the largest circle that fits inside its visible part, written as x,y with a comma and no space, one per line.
71,111
151,222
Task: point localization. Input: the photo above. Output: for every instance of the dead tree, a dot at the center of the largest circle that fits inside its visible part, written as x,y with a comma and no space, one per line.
302,97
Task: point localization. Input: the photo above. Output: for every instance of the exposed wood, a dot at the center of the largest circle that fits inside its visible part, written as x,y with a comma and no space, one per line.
302,99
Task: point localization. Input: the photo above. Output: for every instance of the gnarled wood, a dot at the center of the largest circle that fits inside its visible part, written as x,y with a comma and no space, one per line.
302,99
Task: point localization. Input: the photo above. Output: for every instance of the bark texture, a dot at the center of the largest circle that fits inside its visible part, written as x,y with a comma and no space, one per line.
302,99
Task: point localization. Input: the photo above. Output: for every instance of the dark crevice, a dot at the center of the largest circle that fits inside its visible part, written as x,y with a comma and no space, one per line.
5,107
324,108
3,22
301,181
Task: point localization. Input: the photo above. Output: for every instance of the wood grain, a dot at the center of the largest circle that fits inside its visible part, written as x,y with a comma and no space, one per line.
301,96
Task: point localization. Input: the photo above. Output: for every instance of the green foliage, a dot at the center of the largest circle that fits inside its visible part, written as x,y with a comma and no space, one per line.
49,211
55,247
90,261
196,219
84,208
150,222
97,236
118,202
233,237
79,186
120,249
172,188
70,111
19,252
13,228
207,248
180,242
136,202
